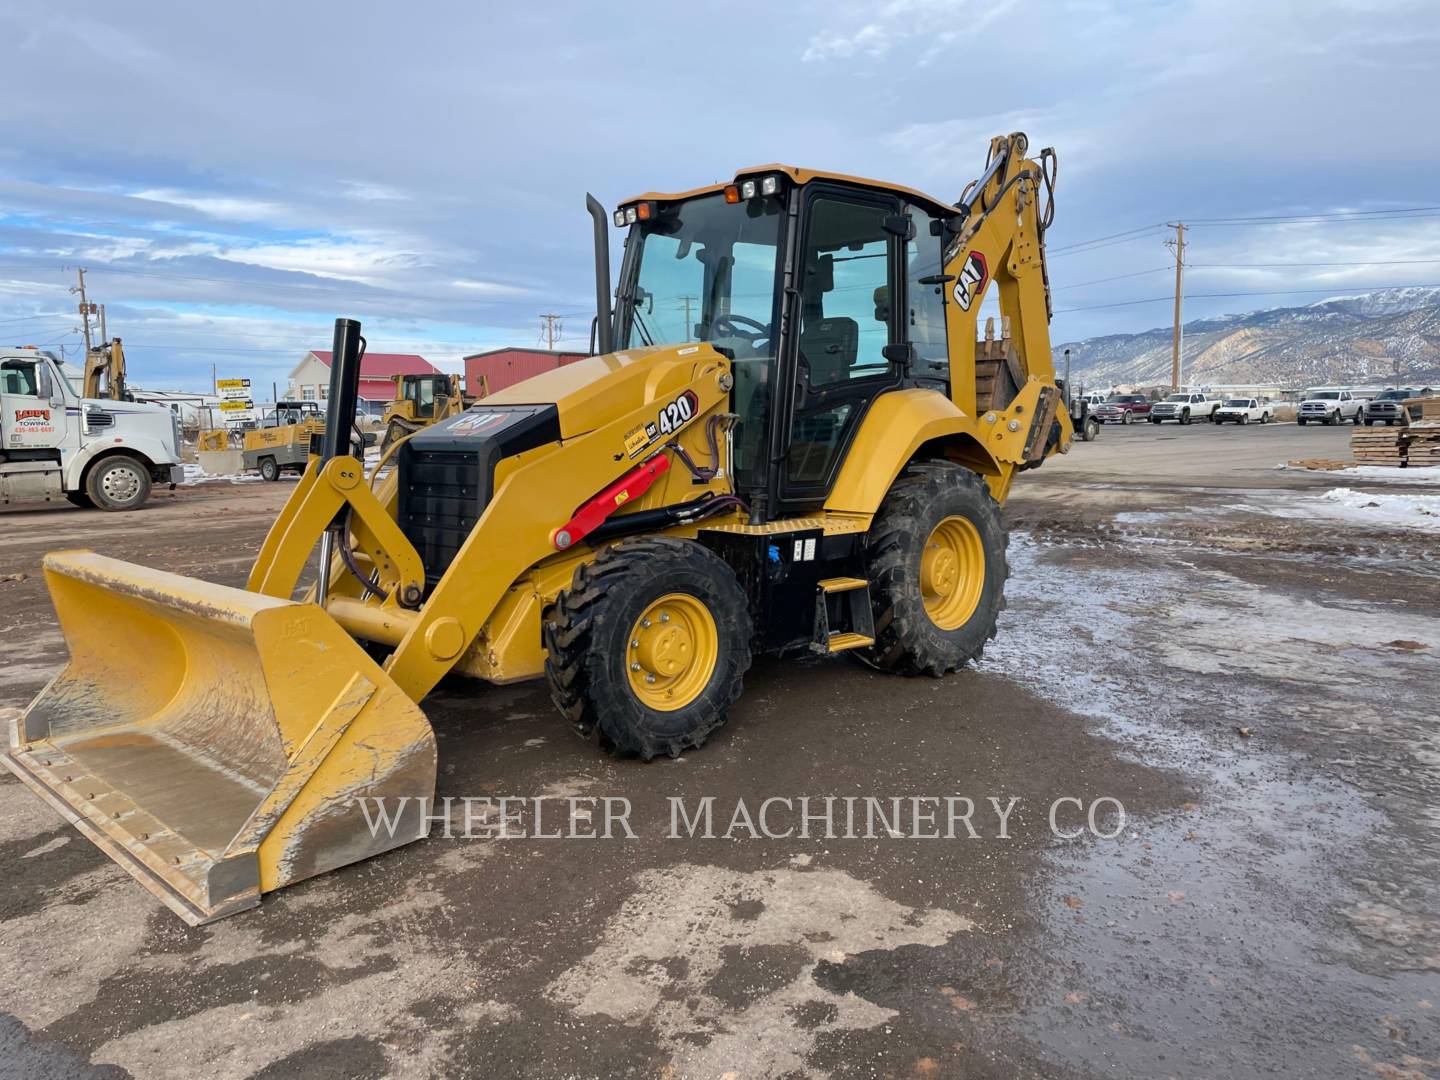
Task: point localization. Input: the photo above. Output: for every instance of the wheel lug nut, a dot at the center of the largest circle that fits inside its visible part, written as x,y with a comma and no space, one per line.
635,644
645,623
664,616
649,678
634,666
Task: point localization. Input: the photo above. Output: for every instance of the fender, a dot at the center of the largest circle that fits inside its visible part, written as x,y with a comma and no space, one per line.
150,450
893,431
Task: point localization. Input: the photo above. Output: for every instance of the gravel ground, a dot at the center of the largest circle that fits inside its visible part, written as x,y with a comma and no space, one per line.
1255,688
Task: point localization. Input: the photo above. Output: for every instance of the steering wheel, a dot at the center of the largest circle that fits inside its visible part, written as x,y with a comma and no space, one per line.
733,326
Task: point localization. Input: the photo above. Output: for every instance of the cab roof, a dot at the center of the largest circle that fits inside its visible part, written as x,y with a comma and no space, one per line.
800,176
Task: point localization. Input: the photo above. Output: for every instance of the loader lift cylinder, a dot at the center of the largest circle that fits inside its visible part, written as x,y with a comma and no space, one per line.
346,350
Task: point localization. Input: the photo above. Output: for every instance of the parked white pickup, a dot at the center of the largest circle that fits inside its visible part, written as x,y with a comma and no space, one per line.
1183,408
1330,405
1242,410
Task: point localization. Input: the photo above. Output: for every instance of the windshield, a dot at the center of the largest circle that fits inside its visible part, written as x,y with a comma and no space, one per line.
1178,397
1238,403
1326,395
705,270
1394,395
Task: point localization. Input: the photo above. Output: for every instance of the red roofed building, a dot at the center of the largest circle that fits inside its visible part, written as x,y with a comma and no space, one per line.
311,378
487,372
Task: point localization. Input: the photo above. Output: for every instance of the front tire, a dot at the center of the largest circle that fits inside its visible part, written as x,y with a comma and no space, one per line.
649,646
118,483
1090,430
1127,417
937,570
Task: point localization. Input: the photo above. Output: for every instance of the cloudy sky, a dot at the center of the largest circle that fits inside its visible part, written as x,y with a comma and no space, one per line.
234,177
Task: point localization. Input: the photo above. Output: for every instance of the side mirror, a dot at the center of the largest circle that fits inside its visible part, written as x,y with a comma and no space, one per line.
901,225
901,354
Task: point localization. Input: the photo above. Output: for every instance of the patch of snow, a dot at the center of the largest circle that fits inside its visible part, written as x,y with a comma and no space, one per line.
1366,508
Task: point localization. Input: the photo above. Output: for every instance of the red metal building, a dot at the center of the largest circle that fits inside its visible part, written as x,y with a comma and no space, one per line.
496,369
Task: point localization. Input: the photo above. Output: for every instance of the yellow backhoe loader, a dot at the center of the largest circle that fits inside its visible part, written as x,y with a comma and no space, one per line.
105,372
421,400
790,439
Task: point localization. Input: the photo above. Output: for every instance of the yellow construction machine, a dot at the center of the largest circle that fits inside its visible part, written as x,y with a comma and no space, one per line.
790,439
421,400
105,372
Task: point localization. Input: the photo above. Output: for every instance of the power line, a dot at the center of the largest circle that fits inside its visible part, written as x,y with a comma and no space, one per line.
1318,215
1354,262
1251,292
1116,277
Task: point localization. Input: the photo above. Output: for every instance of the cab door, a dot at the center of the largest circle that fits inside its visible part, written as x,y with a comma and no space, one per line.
847,286
29,419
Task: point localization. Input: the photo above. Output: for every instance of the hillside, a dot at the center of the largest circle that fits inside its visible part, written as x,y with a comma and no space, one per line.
1344,339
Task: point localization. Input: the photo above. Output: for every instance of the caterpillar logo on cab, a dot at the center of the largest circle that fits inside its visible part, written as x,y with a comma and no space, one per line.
973,276
32,414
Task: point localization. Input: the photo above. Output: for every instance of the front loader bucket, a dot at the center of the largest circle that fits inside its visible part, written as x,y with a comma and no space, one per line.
218,743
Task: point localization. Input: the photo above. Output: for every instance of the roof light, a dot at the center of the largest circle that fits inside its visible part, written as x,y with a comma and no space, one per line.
645,211
630,215
770,185
748,189
732,194
619,219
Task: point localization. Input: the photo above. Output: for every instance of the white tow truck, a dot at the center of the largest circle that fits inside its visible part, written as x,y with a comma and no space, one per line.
1331,405
95,452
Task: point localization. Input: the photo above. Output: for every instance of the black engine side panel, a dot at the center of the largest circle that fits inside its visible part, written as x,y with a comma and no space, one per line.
447,474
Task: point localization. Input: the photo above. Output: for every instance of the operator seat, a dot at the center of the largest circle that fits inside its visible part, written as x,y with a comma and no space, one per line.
829,348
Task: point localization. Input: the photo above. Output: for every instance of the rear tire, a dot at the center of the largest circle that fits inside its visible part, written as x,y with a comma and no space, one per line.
118,483
600,659
1091,429
913,617
269,469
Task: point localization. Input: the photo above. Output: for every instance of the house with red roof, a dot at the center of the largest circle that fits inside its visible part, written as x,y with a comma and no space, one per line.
311,378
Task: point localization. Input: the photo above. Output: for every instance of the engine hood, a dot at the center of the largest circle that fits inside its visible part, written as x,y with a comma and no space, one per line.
593,391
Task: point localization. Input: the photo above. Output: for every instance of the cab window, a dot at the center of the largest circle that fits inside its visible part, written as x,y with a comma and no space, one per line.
19,377
925,320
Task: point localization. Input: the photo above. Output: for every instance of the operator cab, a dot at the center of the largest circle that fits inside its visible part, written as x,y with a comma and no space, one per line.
824,293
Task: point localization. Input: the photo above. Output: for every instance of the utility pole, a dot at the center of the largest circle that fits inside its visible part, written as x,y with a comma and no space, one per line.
689,326
104,334
1178,246
86,308
550,321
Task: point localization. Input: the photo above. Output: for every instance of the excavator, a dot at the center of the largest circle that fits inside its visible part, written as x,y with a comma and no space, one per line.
421,400
790,440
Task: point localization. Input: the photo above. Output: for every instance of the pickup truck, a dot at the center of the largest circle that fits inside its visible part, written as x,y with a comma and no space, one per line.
1183,408
1242,410
1122,408
1387,405
1331,406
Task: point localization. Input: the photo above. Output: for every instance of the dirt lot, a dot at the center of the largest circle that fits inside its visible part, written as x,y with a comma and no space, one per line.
1239,655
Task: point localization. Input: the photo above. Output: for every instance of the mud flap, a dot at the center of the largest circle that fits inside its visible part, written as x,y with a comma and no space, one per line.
217,743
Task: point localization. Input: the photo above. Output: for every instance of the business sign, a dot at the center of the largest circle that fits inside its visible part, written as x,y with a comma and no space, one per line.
236,404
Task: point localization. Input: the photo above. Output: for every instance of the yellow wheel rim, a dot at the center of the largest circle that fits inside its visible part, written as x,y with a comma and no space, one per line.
671,652
952,572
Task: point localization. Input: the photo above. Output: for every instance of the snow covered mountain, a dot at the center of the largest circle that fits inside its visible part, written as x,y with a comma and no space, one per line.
1364,338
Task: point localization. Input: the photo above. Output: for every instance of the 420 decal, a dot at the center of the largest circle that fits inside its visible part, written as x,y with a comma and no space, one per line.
672,417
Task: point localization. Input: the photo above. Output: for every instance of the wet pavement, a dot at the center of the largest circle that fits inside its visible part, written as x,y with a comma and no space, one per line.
1256,690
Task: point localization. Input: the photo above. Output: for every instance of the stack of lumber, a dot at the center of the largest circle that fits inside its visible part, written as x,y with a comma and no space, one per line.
1378,446
1422,444
1323,464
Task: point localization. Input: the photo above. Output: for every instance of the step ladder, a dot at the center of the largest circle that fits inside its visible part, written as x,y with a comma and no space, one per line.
843,618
